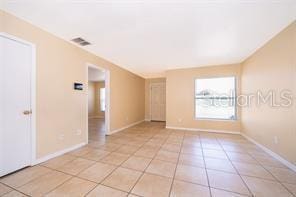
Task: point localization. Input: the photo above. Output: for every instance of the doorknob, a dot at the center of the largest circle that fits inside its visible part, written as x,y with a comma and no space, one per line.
27,112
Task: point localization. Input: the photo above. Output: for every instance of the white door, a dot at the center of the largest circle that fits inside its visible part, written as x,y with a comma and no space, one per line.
158,101
15,105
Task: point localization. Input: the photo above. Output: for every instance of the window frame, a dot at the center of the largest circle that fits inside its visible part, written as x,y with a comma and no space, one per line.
101,99
235,99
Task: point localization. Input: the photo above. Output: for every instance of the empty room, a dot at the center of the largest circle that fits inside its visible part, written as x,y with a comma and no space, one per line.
148,98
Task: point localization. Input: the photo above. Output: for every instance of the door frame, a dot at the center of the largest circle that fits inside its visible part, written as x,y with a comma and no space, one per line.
33,129
150,89
107,96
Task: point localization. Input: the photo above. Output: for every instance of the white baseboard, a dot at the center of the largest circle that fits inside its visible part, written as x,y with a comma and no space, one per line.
92,117
206,130
58,153
271,153
125,127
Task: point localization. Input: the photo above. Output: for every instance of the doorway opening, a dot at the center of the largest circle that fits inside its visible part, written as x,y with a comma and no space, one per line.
98,103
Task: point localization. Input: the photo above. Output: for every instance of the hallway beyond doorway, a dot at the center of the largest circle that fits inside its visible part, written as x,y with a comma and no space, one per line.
96,129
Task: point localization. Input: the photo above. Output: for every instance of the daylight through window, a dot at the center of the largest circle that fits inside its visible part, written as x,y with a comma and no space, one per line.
215,98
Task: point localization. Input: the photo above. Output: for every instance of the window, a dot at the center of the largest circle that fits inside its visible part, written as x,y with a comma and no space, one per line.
215,98
102,99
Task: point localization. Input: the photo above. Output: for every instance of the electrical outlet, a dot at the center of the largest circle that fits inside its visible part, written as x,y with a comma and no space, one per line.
275,140
180,120
61,137
126,118
78,132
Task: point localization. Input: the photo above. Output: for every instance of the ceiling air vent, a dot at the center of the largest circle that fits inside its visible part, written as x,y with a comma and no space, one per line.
81,41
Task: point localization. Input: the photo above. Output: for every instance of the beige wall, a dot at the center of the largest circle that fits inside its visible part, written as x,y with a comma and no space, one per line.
94,110
62,110
273,67
180,97
148,94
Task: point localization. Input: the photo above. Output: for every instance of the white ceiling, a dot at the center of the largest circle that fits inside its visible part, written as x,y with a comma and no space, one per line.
148,37
95,75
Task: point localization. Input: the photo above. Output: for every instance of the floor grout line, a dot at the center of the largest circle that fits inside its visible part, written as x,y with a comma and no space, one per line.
202,150
139,135
144,171
236,169
173,180
276,179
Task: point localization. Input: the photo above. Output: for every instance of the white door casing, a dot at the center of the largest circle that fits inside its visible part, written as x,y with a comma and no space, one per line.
107,96
158,101
17,99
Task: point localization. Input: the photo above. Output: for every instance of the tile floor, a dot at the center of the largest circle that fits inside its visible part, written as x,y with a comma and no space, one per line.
148,160
96,128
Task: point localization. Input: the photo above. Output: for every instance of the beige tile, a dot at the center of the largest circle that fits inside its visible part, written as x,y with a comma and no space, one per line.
95,144
96,154
165,145
155,143
184,189
215,154
127,149
76,166
233,148
136,142
261,187
147,152
214,146
115,158
191,150
192,141
291,188
242,158
104,191
258,154
152,185
110,147
219,164
4,189
269,161
171,147
122,179
73,187
227,181
44,184
191,174
252,170
121,141
174,141
192,160
167,156
137,163
283,174
97,172
81,151
222,193
58,161
162,168
14,194
132,195
24,176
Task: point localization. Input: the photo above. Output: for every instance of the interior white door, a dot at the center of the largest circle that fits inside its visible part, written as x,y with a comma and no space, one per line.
158,101
15,105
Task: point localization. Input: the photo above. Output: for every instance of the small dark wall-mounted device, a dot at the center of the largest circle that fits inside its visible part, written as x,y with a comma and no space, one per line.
78,86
